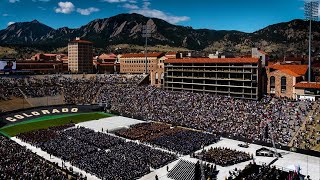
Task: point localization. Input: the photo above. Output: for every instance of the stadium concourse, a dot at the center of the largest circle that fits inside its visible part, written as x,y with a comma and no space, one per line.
183,122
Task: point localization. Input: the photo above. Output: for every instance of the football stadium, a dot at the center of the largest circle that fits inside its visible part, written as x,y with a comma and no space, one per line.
119,127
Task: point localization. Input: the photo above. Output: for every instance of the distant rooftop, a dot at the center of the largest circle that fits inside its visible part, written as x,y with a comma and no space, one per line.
308,85
213,60
141,55
294,70
78,40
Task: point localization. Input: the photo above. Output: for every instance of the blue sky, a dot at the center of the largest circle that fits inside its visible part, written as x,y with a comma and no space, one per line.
242,15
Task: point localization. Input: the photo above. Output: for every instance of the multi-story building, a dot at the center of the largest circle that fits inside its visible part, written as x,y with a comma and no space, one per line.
258,53
47,57
237,77
136,64
283,78
307,90
40,67
80,56
107,63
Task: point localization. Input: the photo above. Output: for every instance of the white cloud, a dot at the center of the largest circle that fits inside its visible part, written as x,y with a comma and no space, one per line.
42,8
14,1
40,0
87,11
130,6
65,7
5,15
146,4
132,1
9,23
115,1
161,15
155,13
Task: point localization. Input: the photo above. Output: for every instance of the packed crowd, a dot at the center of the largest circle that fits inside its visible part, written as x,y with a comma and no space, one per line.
80,91
175,139
224,156
76,90
43,135
104,155
309,135
17,162
28,87
122,79
219,114
255,172
144,131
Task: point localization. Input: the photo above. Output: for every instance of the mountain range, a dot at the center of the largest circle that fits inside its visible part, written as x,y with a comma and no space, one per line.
282,38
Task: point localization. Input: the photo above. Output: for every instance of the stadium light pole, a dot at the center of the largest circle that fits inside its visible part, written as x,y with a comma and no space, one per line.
146,32
311,13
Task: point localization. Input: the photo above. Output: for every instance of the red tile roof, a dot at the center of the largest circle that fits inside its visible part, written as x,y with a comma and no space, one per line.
171,53
294,70
288,71
295,59
50,54
81,41
215,60
38,63
141,55
309,85
262,52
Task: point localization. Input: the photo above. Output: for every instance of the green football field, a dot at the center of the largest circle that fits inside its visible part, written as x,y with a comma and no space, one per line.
50,121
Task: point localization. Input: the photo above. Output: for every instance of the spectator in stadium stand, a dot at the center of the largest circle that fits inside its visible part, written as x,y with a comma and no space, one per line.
212,113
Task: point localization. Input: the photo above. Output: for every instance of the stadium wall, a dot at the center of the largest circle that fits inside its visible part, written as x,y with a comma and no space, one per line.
17,116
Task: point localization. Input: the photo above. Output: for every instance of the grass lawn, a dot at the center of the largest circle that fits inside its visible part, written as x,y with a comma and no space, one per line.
50,121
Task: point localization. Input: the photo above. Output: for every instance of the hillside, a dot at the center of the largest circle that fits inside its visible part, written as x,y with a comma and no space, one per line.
283,38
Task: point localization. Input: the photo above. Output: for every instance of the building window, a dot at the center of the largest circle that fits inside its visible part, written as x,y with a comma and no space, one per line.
272,84
283,84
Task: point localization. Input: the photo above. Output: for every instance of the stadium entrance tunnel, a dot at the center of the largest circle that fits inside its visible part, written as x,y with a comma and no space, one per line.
18,116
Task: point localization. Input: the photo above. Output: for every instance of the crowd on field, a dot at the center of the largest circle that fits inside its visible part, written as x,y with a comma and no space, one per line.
224,156
17,162
103,155
181,141
264,172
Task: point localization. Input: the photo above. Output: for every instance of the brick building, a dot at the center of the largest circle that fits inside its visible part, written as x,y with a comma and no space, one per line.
80,56
258,53
40,67
283,78
107,63
47,57
136,64
307,90
237,77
